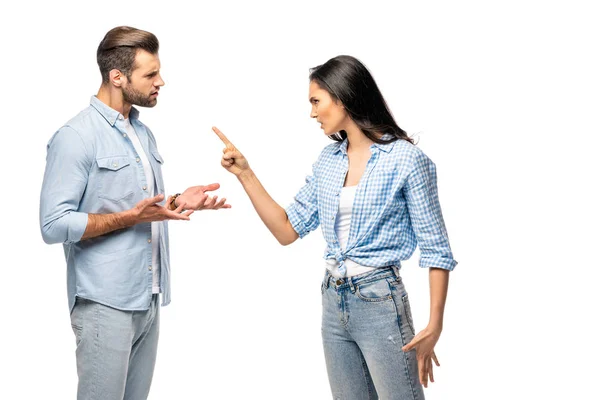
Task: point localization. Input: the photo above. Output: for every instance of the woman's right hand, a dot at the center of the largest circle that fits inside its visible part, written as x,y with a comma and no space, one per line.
233,161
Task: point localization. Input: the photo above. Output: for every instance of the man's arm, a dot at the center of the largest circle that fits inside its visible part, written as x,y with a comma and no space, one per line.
195,198
147,210
67,168
68,163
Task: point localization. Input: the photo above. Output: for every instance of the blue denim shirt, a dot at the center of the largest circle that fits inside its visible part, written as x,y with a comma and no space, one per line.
92,167
396,207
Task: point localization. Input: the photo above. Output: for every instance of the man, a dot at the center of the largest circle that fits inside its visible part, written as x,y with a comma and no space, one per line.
103,198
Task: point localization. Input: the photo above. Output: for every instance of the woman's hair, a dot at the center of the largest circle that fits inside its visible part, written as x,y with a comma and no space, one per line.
347,80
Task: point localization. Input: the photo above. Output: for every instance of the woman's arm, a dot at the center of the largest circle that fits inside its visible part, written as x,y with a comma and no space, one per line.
438,290
428,224
272,214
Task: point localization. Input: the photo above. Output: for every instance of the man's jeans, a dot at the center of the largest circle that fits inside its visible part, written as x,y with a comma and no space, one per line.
366,321
116,350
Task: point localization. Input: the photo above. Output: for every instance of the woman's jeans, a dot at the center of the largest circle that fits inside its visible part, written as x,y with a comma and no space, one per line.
366,321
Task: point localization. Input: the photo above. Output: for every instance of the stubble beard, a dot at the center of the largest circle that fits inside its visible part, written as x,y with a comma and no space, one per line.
132,96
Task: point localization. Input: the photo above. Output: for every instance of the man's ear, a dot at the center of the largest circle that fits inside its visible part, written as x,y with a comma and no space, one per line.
116,77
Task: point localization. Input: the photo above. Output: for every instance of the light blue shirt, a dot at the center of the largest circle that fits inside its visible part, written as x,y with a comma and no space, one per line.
92,167
395,208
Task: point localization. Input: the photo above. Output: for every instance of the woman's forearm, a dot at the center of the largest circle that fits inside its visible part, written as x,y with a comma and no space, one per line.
438,288
271,213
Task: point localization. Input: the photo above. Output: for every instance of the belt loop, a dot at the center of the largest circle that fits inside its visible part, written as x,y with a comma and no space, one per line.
396,272
352,287
327,277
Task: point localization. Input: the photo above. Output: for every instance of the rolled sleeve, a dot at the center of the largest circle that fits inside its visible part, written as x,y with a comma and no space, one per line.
303,213
65,180
426,215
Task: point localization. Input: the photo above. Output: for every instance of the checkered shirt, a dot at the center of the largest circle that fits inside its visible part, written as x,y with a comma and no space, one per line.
396,207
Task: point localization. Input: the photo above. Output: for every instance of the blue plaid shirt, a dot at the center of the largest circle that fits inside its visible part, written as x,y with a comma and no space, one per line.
396,207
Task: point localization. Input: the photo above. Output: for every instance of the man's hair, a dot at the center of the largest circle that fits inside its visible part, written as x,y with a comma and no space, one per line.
118,49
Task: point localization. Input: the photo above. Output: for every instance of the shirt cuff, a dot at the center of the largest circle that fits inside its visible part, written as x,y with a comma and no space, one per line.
296,221
438,262
76,223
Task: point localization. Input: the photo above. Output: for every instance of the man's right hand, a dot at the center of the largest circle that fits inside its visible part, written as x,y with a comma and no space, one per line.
148,210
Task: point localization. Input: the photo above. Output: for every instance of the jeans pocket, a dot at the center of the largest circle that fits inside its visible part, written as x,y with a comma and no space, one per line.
408,314
77,318
374,291
78,331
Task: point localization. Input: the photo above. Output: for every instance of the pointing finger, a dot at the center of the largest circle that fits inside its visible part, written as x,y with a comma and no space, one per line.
222,137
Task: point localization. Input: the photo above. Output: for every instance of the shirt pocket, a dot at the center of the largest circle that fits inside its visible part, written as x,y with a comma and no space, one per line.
115,178
383,188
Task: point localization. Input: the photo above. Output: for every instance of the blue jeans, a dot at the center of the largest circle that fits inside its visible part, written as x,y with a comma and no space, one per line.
116,350
366,321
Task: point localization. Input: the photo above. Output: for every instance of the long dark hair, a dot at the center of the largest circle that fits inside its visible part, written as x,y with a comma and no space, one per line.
349,81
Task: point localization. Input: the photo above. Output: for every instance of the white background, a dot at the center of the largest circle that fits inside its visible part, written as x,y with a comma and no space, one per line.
504,96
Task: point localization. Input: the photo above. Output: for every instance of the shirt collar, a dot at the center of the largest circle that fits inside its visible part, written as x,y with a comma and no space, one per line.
343,145
386,147
110,114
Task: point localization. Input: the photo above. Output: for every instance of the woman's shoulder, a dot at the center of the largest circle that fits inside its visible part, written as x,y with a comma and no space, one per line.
404,149
328,152
332,148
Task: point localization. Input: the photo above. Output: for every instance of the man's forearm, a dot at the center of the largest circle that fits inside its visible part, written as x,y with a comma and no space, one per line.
101,224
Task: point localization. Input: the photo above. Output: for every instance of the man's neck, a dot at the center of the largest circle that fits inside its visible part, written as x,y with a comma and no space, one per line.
114,99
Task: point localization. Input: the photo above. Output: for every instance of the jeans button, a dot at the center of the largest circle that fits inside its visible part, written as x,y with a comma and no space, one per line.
339,282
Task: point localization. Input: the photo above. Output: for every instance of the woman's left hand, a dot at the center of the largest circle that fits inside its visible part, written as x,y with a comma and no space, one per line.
424,342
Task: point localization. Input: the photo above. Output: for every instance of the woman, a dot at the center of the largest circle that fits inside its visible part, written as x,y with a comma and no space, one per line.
374,194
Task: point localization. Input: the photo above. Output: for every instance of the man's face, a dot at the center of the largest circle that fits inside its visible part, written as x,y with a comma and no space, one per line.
142,87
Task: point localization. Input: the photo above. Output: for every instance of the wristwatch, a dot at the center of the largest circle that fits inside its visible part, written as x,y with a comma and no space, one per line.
172,205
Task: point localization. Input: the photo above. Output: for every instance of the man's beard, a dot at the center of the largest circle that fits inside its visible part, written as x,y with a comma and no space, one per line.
132,96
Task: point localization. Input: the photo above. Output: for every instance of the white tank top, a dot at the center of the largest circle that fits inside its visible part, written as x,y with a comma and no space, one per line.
342,231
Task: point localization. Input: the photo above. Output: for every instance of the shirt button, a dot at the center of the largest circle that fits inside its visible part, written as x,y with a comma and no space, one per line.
124,135
149,240
149,267
332,218
137,159
144,188
115,164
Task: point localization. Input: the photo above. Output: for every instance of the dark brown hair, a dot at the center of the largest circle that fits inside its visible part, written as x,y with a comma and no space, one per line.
118,49
347,80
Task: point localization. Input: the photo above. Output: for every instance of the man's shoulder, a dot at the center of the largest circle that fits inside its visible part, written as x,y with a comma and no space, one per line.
86,123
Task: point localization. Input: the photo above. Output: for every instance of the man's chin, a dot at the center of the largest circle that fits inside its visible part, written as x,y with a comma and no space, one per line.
148,104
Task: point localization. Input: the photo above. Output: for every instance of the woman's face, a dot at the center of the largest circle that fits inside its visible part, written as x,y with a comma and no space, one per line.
330,114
